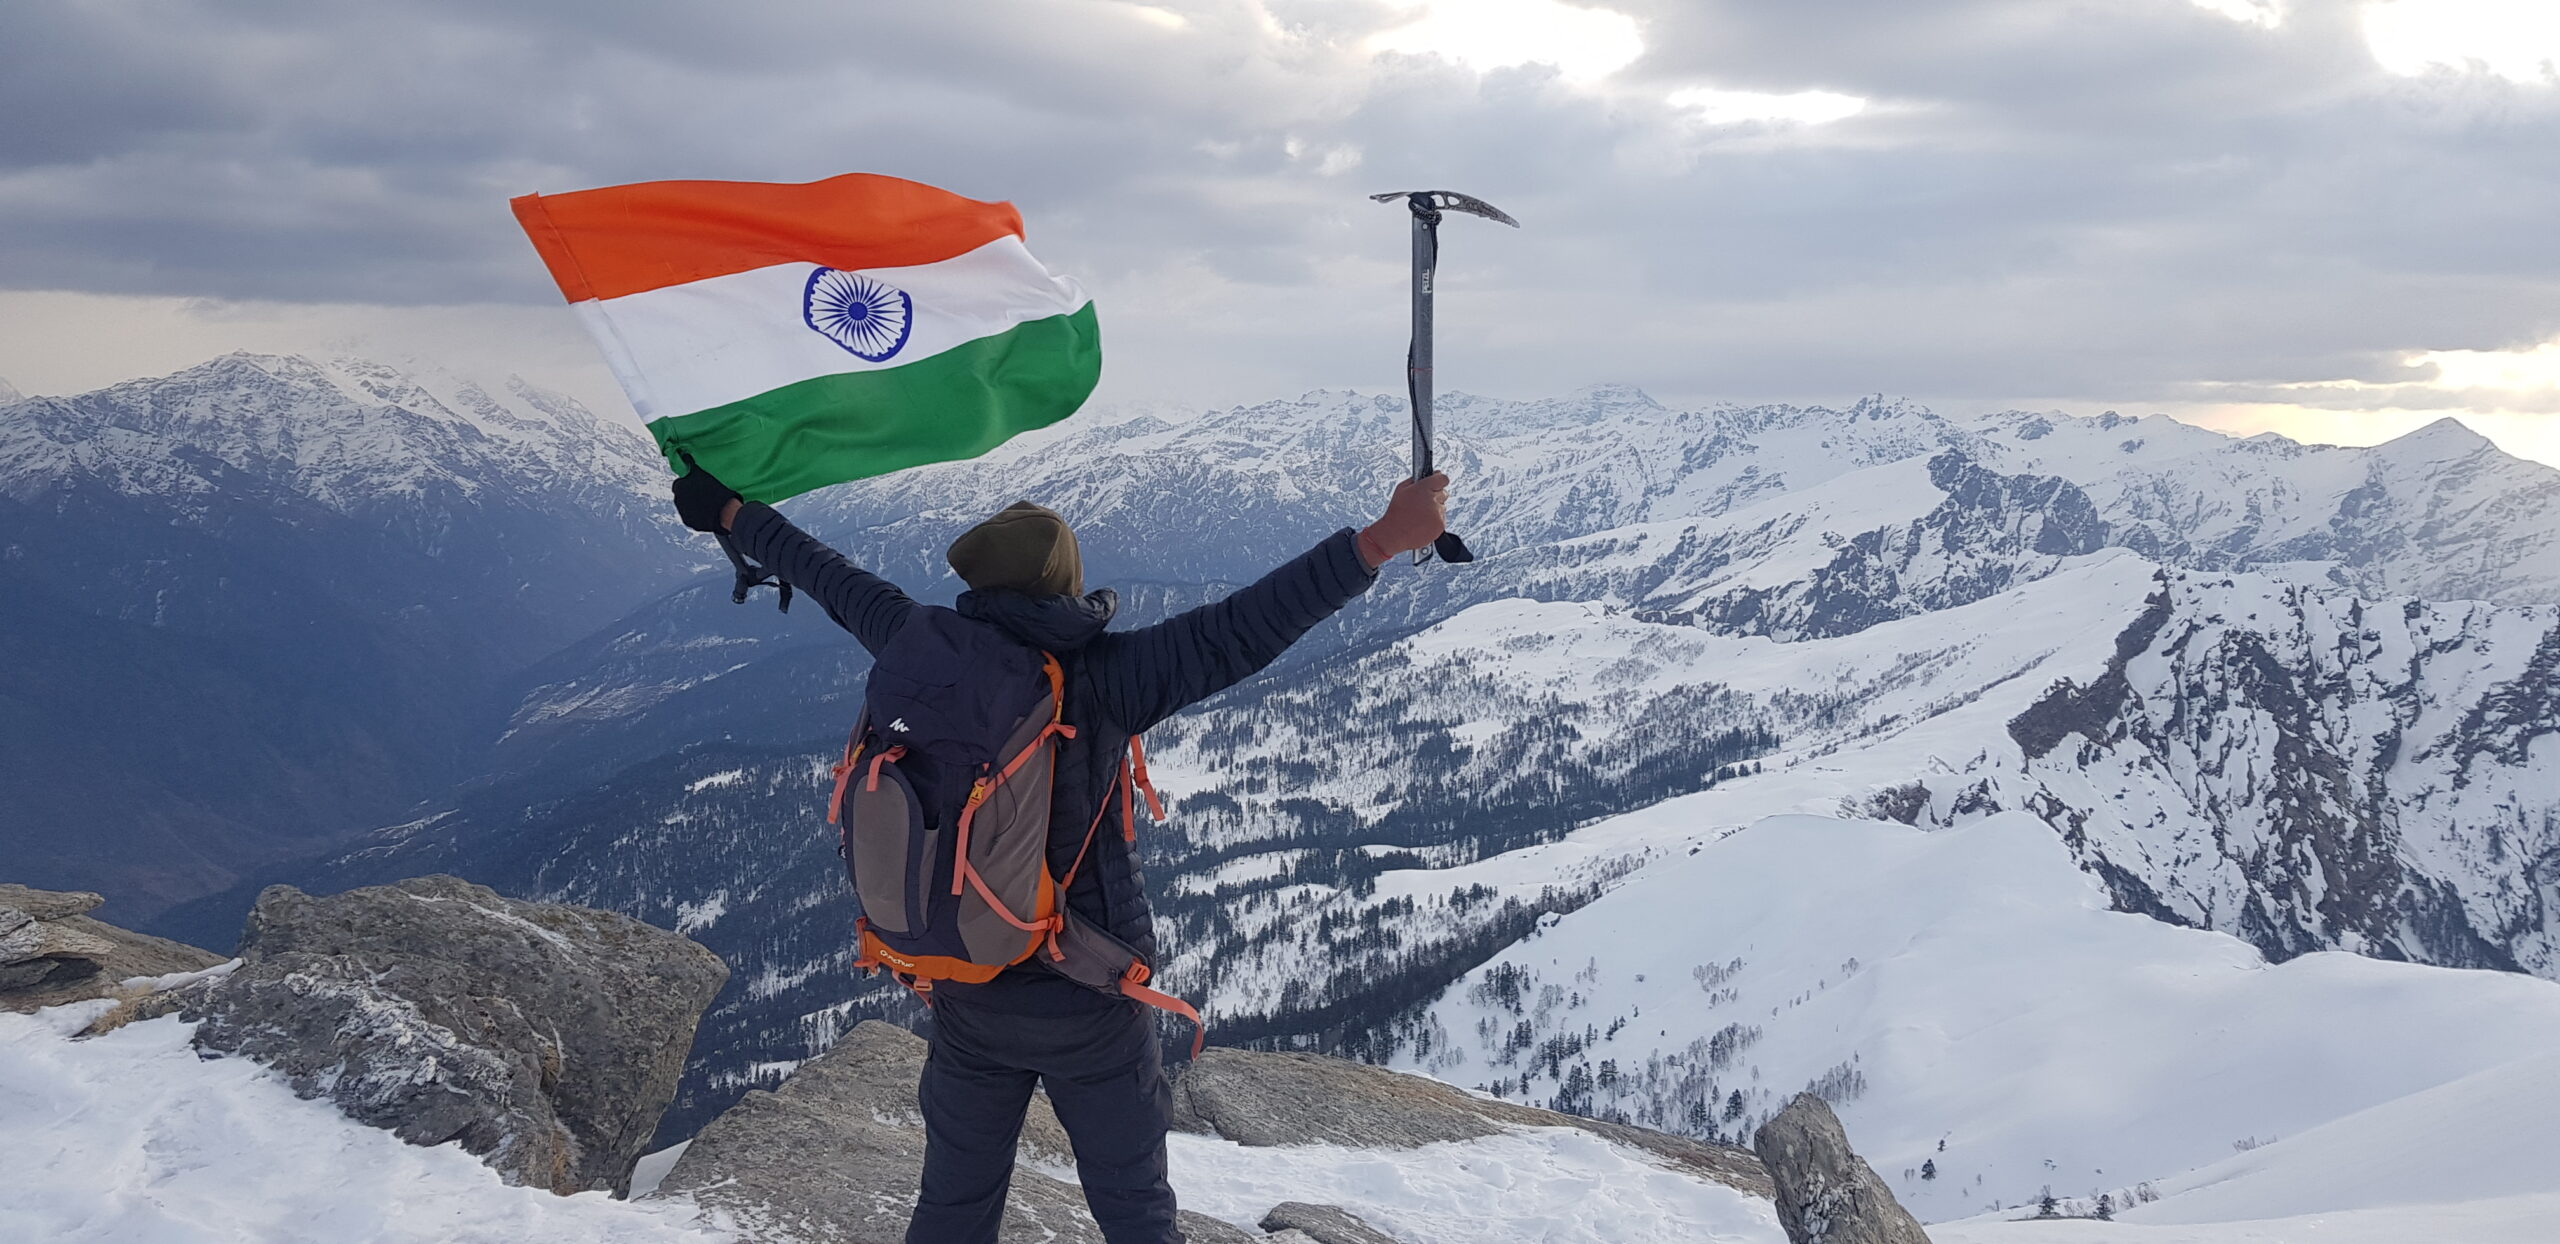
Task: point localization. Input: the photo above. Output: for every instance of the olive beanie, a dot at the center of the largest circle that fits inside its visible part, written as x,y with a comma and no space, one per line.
1025,548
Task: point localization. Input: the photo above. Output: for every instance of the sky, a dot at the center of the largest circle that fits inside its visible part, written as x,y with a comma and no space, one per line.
2329,218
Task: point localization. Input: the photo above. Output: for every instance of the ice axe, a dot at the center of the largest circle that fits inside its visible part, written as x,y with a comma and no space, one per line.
1427,206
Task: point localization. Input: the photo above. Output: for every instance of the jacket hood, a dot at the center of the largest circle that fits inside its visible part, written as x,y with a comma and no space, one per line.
1057,623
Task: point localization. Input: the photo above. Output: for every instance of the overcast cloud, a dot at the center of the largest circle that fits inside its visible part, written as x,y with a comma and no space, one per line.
2143,204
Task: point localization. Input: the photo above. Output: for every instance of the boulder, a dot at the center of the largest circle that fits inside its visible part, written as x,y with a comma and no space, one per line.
53,953
1255,1098
1826,1194
546,1039
1325,1224
833,1155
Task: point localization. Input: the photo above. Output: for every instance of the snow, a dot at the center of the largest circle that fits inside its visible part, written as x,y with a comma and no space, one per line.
1976,988
701,914
2511,1220
130,1138
1972,975
1552,1185
2492,1135
725,777
651,1170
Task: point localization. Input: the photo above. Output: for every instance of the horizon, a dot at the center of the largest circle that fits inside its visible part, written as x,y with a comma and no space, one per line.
611,405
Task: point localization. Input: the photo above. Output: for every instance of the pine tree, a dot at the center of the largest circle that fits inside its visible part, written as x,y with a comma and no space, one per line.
2106,1208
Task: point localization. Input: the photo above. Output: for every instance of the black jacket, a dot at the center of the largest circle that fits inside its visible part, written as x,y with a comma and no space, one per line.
1119,683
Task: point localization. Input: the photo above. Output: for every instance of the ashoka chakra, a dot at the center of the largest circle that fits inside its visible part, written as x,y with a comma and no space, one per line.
856,312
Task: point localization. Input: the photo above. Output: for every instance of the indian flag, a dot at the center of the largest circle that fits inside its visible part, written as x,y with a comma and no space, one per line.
795,336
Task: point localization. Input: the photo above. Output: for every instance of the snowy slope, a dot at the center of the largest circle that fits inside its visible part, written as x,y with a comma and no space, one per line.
2485,1137
131,1138
1535,717
2301,769
1964,986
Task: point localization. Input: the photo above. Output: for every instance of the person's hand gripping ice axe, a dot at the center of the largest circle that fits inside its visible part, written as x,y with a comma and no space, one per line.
1416,515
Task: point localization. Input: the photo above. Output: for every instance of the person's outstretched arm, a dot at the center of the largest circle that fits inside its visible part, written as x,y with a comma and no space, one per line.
1156,671
861,602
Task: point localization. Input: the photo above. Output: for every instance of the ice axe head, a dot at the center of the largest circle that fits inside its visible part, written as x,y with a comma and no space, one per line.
1430,203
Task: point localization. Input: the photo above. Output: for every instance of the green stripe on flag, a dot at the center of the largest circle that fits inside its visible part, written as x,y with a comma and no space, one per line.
956,404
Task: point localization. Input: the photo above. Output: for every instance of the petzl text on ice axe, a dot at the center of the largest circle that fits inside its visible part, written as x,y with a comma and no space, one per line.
1427,205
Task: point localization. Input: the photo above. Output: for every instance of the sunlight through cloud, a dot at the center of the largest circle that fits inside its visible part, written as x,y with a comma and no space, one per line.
1718,107
2266,13
1155,16
1584,45
2516,39
2518,371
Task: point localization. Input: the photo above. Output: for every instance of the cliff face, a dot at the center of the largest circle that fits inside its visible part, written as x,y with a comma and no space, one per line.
2311,771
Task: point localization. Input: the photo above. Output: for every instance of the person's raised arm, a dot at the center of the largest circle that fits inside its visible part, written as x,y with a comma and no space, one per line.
861,602
1156,671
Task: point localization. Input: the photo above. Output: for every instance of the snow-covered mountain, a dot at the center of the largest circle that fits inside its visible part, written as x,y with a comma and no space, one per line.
266,602
357,436
1686,621
2440,513
1987,1027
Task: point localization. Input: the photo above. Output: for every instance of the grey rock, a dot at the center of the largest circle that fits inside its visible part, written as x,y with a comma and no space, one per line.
546,1039
1826,1193
833,1155
46,904
1255,1098
41,951
1325,1224
53,953
1289,1236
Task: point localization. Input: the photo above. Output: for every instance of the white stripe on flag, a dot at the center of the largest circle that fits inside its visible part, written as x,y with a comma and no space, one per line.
727,338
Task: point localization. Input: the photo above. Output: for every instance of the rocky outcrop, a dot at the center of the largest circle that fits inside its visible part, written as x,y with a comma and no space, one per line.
833,1156
1324,1224
1255,1098
52,952
546,1039
1826,1193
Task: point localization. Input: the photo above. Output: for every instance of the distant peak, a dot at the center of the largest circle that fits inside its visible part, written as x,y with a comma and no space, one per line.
1614,394
9,392
2445,438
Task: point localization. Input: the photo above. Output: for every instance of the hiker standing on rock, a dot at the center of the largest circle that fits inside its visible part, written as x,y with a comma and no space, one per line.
1019,708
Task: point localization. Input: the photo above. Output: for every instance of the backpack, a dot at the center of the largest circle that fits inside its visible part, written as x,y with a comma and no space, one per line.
942,804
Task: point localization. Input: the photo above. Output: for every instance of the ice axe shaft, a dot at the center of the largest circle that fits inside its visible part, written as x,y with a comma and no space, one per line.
1427,206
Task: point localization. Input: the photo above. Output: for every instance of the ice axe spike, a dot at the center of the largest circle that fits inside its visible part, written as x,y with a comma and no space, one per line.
1427,206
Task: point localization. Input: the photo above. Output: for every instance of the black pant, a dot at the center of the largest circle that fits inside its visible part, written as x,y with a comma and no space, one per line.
1105,1077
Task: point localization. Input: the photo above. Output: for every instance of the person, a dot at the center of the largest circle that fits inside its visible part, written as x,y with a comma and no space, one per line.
1096,1054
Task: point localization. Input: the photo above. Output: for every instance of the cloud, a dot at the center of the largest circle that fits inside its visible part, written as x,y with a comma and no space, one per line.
2151,202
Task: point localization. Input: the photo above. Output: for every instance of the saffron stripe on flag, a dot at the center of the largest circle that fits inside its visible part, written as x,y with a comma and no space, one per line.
956,404
727,338
634,238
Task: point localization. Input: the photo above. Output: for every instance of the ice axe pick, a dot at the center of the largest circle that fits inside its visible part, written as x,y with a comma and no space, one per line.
1427,205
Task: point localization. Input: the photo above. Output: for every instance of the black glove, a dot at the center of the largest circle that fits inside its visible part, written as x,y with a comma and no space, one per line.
700,497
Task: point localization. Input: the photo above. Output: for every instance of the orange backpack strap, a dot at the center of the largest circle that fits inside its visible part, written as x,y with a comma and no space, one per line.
844,775
1138,770
1133,983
